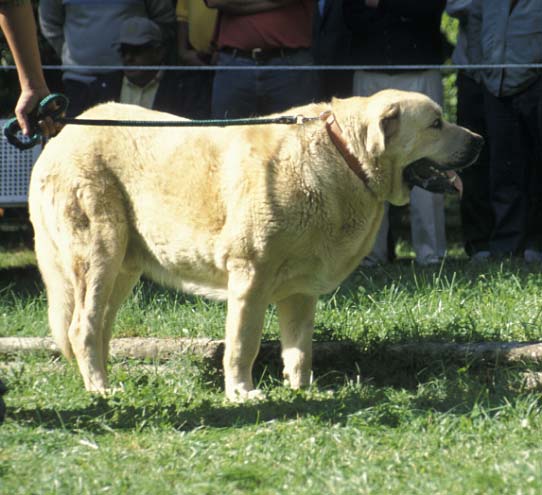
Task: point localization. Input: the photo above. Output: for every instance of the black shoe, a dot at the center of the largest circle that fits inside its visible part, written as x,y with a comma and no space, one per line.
3,390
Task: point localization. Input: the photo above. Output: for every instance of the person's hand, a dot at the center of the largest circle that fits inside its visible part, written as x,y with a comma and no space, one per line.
27,102
372,3
192,57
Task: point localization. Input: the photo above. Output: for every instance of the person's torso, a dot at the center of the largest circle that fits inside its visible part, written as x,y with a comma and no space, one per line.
285,27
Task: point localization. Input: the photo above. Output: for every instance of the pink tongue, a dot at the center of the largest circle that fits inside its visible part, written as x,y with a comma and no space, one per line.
456,181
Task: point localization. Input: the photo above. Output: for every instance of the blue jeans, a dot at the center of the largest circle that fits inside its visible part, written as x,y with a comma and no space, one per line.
246,93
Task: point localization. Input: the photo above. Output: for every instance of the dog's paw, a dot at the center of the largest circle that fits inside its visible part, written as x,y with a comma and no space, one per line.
240,396
106,392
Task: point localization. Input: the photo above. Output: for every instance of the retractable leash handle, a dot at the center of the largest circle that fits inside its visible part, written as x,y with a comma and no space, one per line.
44,109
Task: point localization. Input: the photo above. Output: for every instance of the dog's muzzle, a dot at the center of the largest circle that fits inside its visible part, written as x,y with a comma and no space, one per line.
428,175
439,178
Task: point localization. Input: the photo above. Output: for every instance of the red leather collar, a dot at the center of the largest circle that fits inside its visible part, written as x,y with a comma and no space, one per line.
336,135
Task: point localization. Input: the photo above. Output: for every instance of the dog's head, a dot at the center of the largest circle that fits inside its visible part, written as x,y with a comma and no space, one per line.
404,142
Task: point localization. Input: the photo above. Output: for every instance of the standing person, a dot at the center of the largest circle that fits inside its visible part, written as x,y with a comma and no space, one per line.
195,30
83,33
475,206
19,28
259,33
508,32
141,45
402,32
331,46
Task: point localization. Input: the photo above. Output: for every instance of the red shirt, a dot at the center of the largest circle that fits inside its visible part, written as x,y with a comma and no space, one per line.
285,27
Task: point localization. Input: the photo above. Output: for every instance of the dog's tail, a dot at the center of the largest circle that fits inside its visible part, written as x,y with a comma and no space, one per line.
59,287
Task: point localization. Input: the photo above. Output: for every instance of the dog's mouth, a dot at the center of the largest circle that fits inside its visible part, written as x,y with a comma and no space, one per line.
432,177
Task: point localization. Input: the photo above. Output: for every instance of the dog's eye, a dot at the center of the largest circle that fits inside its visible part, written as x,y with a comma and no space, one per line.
436,124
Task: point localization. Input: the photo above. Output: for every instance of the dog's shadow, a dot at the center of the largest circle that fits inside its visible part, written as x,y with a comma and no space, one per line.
372,402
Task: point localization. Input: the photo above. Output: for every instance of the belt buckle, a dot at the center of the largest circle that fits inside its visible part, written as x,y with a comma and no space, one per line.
256,54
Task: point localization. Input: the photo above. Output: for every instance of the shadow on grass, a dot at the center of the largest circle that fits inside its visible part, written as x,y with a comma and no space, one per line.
21,281
455,392
25,282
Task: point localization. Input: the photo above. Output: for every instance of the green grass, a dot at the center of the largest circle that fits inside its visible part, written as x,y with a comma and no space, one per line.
400,302
376,429
169,431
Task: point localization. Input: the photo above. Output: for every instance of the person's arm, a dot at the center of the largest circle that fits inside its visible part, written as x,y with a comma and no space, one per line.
245,7
187,55
19,27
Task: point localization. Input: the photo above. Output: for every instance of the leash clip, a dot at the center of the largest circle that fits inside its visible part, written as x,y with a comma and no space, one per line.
301,119
44,109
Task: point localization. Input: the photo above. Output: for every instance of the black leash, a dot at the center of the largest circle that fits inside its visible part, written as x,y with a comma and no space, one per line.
55,105
284,119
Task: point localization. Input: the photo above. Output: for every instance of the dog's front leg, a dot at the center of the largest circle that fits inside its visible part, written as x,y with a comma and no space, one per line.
244,323
296,320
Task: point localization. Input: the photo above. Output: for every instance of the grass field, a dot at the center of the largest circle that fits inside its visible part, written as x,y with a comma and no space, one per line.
372,428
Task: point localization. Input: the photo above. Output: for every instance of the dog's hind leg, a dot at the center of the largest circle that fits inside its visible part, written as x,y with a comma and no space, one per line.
95,239
123,286
296,321
94,282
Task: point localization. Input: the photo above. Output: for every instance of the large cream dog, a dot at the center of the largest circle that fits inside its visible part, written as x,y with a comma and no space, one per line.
252,214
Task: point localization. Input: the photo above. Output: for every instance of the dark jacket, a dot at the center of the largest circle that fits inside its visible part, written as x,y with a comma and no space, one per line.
397,32
331,37
179,93
331,46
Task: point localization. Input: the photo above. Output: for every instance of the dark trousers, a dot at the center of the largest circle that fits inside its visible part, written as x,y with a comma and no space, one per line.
245,93
475,206
515,176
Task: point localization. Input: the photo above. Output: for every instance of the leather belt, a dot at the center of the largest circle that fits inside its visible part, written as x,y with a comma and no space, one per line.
260,55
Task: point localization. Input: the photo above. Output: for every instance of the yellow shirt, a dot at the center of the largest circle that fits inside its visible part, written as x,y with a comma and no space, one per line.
201,23
137,95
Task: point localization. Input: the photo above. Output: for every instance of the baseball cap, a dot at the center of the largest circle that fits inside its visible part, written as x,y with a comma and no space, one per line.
139,31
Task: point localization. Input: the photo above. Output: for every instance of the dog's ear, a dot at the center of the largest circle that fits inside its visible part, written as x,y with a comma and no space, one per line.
382,128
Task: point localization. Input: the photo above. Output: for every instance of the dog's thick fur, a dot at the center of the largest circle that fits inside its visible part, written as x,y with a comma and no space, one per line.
253,214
